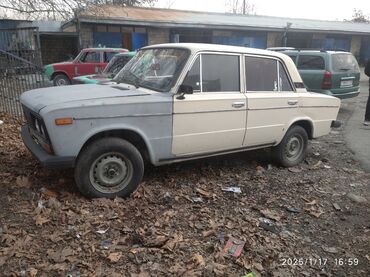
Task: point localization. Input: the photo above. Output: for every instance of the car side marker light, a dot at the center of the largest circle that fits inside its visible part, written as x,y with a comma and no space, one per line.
64,121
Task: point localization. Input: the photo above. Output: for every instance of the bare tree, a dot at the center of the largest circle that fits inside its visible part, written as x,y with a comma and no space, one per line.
240,7
59,9
359,16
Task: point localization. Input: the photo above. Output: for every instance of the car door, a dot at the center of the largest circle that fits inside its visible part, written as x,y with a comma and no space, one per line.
213,117
271,101
89,63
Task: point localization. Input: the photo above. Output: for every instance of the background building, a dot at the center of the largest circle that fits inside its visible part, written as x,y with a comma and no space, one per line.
133,28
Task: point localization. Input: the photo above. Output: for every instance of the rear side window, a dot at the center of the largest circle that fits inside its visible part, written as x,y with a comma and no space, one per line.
261,74
311,62
284,82
220,73
343,62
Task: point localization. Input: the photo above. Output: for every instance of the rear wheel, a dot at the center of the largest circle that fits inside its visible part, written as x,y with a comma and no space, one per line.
109,167
292,149
61,80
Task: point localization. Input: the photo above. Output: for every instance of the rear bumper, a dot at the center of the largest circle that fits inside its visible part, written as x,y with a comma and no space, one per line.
46,160
339,93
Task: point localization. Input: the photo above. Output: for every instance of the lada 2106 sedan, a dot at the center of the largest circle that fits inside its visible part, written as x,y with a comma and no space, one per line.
88,61
171,103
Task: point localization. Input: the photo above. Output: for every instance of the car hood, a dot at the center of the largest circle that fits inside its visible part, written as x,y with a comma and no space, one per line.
37,99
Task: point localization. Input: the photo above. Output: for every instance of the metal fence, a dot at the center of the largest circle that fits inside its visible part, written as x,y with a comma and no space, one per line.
20,67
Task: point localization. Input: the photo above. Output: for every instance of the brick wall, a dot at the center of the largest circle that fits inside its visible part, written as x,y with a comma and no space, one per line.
158,35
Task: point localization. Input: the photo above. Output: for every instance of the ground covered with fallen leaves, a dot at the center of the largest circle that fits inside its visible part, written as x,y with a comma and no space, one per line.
311,220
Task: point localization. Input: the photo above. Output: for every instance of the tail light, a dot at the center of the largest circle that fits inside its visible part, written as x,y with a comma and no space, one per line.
326,81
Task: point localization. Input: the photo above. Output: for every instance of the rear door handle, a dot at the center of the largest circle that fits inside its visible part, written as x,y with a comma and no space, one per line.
238,104
292,102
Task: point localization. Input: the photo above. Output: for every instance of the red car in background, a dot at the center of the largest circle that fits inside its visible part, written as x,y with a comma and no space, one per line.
89,61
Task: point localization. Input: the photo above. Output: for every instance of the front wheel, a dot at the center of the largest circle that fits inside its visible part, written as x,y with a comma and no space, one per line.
292,149
109,167
61,80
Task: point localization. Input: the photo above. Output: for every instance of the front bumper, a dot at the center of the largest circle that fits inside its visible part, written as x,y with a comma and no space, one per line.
46,160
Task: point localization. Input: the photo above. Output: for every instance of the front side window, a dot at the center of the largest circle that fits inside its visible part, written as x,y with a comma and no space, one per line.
220,73
261,74
91,57
311,62
193,77
214,73
156,68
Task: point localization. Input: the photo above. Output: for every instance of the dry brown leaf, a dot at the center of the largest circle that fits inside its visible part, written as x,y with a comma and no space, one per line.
315,213
270,214
23,181
49,193
158,241
313,202
172,243
204,193
32,272
258,266
39,220
199,260
115,257
141,274
208,233
316,165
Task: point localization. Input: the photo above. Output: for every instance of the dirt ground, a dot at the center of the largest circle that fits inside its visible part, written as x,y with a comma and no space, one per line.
311,220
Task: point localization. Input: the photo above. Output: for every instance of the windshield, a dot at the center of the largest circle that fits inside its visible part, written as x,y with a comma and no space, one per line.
116,64
156,69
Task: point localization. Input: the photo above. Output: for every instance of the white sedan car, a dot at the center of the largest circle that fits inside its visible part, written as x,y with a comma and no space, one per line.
170,103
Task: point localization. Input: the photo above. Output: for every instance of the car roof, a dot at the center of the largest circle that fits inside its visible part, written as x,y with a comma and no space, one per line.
108,49
129,54
196,47
313,51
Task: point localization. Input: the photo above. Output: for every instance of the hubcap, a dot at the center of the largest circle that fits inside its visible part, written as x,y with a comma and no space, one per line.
61,82
110,173
294,147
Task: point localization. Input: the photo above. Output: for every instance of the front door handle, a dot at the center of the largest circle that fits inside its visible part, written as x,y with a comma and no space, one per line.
238,104
292,102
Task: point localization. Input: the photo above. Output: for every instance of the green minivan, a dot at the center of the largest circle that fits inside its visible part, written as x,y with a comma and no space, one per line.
334,73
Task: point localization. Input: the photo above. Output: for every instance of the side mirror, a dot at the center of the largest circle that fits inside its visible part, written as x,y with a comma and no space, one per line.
184,89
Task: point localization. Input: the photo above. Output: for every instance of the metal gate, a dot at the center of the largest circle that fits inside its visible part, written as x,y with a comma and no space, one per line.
20,66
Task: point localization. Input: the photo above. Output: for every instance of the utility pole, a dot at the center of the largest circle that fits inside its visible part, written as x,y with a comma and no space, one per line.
243,7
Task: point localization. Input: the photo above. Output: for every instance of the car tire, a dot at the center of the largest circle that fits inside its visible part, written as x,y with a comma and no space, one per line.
61,80
292,149
109,167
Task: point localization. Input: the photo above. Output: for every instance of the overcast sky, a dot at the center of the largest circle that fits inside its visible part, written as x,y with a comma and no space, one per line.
314,9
